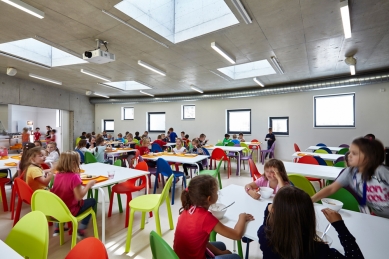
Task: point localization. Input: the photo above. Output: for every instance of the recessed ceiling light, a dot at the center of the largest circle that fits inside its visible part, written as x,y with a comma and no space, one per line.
222,52
345,13
196,89
148,66
146,93
45,79
87,72
102,95
242,11
25,7
277,64
258,82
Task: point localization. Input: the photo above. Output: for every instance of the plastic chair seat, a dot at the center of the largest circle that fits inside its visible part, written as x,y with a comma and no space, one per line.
159,248
145,202
89,248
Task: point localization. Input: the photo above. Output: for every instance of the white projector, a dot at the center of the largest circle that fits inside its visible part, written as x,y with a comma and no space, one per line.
98,56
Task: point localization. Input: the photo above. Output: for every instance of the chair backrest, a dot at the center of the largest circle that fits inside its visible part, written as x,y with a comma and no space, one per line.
296,148
308,160
77,140
134,181
89,248
206,152
273,146
254,170
118,162
247,148
254,140
45,166
344,145
349,201
302,183
326,149
340,164
321,151
343,151
320,160
90,158
165,192
230,144
219,144
156,148
163,167
82,157
339,159
30,236
218,154
51,205
321,145
23,190
159,248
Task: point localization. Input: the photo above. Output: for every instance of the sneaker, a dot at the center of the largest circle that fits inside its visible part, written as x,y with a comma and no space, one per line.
56,231
80,234
187,176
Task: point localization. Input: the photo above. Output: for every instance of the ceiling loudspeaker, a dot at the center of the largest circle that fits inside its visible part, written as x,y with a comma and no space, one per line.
89,93
11,71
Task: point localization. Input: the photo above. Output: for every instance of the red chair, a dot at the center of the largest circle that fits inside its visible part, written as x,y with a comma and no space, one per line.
218,154
24,195
254,170
89,248
255,147
3,182
296,148
128,187
45,166
312,161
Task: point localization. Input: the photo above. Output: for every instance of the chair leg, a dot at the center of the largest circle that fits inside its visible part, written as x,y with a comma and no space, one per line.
129,231
169,213
247,250
111,203
129,198
74,234
97,199
174,188
94,222
157,221
220,181
143,220
13,199
61,234
4,198
120,203
18,209
240,251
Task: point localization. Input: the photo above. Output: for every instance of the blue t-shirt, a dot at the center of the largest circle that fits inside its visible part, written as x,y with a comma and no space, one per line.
173,137
235,141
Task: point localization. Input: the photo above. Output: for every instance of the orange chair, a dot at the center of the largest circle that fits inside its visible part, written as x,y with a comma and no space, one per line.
3,182
254,170
128,187
89,248
24,195
219,154
312,161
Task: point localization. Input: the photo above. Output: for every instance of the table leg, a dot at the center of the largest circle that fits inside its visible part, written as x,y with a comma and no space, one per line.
238,165
102,215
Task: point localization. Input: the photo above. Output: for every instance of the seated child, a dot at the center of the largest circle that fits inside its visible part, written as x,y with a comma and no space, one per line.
240,138
53,153
99,151
179,149
36,177
235,140
196,149
226,139
120,138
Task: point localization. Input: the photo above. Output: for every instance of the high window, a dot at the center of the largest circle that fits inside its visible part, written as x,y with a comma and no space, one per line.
156,121
239,121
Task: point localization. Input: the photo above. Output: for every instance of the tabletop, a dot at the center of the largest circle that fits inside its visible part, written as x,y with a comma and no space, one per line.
336,149
170,144
116,151
8,252
9,160
226,148
329,157
317,171
178,159
369,231
253,143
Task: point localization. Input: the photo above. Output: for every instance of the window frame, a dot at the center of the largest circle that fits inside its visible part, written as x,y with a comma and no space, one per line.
270,123
148,122
332,126
124,113
104,125
228,121
183,111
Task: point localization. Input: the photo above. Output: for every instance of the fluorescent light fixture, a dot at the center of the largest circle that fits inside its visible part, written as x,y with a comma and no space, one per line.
148,66
276,64
25,7
95,75
146,93
5,54
45,79
258,82
242,11
196,89
352,70
102,95
110,86
345,13
225,55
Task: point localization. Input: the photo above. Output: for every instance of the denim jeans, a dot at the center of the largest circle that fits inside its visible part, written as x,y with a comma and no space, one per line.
88,203
222,246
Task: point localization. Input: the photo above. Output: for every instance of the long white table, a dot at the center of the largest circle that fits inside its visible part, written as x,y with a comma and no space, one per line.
370,231
329,157
121,174
179,159
7,252
313,148
116,152
229,149
317,171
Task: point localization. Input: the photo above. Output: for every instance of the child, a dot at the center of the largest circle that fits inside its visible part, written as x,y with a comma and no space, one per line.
92,142
366,176
109,137
137,136
36,177
235,140
104,135
48,133
146,135
240,138
38,143
195,222
53,153
196,149
68,186
24,162
226,139
25,136
53,137
289,229
164,138
120,138
179,148
99,150
270,138
182,135
160,142
172,135
202,139
81,146
37,134
274,177
144,150
187,140
130,138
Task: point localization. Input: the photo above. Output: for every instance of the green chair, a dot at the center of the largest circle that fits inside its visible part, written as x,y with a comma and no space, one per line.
219,144
230,144
321,151
246,149
349,201
56,211
214,173
340,164
135,141
77,140
302,183
147,203
159,248
125,141
30,236
212,238
342,151
90,158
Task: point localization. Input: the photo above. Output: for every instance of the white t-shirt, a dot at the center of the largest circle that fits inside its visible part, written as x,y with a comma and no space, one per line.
52,157
179,151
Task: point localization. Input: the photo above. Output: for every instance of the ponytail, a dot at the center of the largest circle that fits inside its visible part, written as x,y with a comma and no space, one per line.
185,200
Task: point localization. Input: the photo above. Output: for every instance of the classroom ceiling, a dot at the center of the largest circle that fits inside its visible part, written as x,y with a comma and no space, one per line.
305,35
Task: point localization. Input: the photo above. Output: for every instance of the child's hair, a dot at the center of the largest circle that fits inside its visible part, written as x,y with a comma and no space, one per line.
88,135
24,160
159,137
55,145
48,127
234,136
146,132
241,134
129,135
370,136
137,134
226,135
39,142
81,143
49,131
54,131
180,140
186,136
270,129
373,151
145,141
25,130
292,221
92,137
280,167
99,140
198,191
93,133
202,135
83,133
31,153
171,129
120,135
37,128
183,132
69,161
196,142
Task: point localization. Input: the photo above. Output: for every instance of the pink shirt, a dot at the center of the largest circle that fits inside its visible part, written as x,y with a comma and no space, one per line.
262,182
64,184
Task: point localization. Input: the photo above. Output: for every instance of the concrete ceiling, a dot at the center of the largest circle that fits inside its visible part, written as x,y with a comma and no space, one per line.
305,35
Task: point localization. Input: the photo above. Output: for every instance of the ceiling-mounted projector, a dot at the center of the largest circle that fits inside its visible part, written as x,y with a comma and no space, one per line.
99,56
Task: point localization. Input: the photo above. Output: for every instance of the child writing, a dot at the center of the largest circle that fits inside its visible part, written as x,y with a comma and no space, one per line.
289,229
68,186
25,136
195,222
53,153
275,177
36,177
366,176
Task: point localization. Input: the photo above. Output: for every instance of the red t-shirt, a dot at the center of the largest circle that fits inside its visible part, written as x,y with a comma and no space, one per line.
37,136
64,185
53,138
160,143
192,233
143,150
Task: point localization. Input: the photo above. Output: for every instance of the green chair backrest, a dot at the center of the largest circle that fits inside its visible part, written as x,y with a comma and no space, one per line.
159,248
349,201
246,149
90,158
321,151
302,183
165,191
30,236
340,164
125,141
77,140
219,165
230,144
118,162
219,144
343,151
244,145
135,141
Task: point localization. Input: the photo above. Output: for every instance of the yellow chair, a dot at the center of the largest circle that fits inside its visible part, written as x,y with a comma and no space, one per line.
146,203
57,211
30,236
77,140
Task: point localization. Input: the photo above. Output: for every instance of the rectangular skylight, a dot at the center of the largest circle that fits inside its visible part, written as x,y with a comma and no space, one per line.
128,85
40,52
252,69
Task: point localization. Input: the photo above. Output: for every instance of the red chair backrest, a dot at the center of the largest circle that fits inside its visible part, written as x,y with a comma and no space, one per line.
218,154
254,170
140,166
308,160
296,148
45,166
89,248
254,140
23,190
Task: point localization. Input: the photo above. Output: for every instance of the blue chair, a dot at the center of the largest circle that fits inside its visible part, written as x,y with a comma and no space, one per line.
326,149
156,148
321,145
82,157
206,161
164,168
320,160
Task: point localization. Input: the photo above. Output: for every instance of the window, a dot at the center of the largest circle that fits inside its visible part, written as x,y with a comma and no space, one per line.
334,110
188,112
239,121
127,113
156,121
279,125
108,125
58,114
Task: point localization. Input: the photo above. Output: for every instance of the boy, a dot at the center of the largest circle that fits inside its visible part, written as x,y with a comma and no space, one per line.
172,136
83,135
146,135
270,138
235,140
226,139
120,138
37,134
240,138
202,139
160,142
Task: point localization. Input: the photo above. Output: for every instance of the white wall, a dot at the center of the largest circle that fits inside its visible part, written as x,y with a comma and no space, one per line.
4,115
372,116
